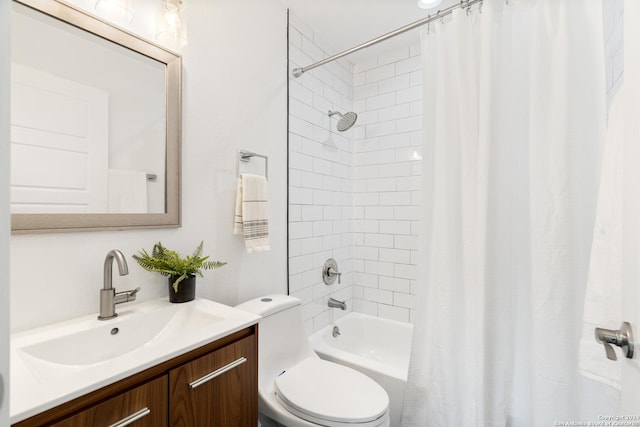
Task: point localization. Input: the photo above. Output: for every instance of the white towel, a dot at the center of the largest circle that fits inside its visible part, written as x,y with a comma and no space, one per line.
251,215
127,191
603,300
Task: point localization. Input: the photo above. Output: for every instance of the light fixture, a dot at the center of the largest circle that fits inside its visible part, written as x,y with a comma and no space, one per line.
118,11
171,23
428,4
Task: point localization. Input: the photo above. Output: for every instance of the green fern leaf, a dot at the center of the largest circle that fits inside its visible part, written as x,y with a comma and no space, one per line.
169,263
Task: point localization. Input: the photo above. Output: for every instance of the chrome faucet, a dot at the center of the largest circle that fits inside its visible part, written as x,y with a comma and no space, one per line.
108,296
330,272
334,303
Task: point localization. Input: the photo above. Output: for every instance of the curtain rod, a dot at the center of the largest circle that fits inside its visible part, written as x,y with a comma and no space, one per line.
297,72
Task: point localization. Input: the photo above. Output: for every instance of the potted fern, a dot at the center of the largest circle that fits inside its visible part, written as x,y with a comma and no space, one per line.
181,271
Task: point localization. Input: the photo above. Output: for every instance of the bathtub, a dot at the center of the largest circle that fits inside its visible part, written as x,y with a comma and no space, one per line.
379,348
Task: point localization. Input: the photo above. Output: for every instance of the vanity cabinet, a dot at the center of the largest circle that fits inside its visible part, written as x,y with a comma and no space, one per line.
215,385
144,406
225,377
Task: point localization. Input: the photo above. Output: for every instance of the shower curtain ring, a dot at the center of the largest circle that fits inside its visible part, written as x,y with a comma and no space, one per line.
468,10
480,8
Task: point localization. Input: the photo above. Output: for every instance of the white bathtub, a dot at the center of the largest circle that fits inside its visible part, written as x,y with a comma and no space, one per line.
379,348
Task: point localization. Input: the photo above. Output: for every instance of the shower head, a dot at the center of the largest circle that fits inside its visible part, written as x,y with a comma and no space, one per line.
346,120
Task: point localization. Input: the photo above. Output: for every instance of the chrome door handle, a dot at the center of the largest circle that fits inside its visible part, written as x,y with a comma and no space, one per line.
622,337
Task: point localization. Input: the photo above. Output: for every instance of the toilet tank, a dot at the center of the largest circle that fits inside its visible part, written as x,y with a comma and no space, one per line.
269,305
282,340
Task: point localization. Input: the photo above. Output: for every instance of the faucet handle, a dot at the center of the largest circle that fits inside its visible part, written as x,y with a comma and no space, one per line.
125,296
330,272
131,295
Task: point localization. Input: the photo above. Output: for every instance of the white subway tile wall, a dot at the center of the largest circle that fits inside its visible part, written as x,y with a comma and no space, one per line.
387,93
354,195
320,177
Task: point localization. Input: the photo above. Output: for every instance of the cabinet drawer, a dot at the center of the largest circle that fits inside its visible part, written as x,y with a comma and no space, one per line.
143,406
218,389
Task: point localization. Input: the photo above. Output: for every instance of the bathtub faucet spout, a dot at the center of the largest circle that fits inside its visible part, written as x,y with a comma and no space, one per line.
334,303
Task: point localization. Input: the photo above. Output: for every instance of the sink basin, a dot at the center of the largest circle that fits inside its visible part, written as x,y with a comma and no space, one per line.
106,340
54,364
102,342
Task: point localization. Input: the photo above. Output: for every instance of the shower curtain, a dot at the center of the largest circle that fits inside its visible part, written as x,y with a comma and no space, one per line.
514,121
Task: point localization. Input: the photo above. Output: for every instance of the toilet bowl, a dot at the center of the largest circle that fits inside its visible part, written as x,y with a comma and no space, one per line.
298,389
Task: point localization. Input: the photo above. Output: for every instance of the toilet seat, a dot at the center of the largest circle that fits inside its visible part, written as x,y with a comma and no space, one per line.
331,395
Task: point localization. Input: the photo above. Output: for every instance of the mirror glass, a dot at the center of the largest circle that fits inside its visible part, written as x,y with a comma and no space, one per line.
95,115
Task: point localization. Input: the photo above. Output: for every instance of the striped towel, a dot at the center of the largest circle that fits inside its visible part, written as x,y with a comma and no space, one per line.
251,218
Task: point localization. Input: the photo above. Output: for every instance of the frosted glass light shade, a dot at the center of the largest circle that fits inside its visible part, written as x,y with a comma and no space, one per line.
428,4
118,11
171,23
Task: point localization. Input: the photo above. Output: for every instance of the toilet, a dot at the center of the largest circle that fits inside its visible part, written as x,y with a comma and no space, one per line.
298,389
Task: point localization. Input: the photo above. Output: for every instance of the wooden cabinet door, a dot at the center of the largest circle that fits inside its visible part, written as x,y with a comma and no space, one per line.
143,406
219,389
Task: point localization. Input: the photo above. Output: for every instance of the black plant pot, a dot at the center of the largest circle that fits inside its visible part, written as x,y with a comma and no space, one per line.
186,289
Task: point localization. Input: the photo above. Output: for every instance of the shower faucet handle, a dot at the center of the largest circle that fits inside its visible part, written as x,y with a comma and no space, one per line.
622,337
330,272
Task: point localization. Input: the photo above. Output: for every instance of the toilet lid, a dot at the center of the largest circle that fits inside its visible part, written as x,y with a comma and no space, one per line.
320,391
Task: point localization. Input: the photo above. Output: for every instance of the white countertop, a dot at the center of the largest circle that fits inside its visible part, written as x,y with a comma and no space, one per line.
38,385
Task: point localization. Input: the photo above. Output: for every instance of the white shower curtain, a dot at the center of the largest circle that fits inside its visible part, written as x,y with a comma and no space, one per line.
514,122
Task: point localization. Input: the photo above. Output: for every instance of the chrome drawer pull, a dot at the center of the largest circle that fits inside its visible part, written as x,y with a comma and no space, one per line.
132,418
217,373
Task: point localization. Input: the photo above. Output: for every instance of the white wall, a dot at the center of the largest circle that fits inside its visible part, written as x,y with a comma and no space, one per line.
4,213
320,186
234,96
387,169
